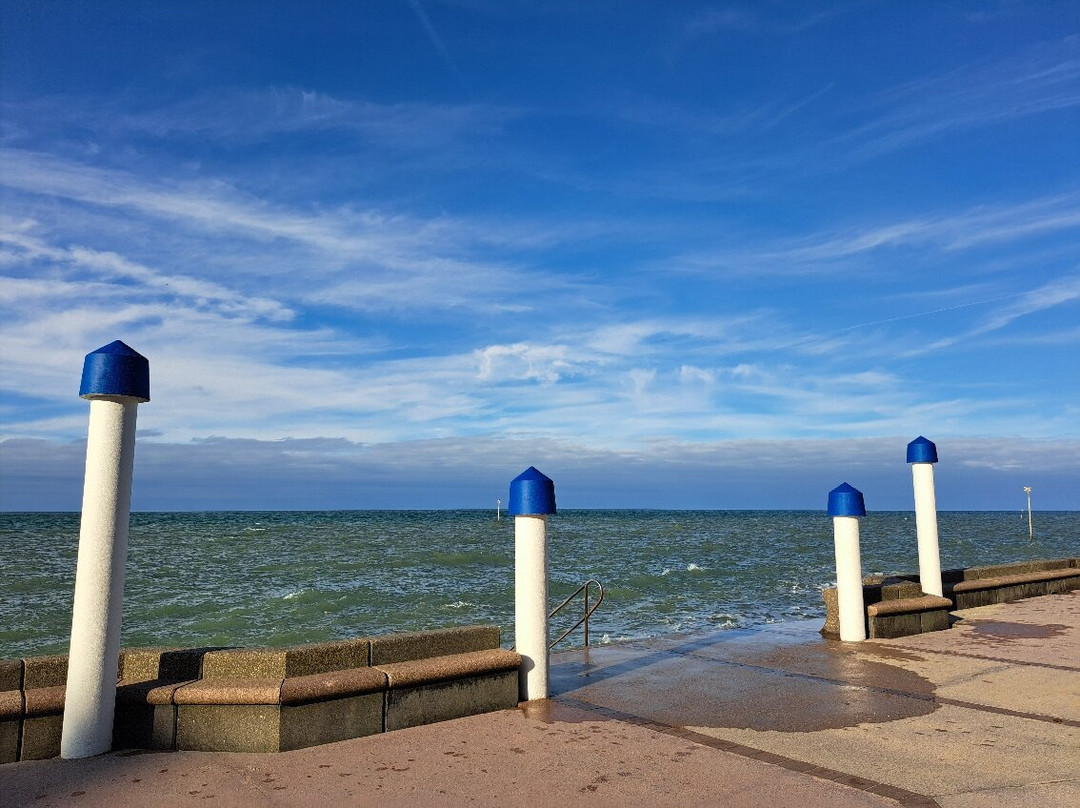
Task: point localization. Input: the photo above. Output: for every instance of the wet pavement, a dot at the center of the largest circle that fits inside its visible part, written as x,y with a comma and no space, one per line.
985,714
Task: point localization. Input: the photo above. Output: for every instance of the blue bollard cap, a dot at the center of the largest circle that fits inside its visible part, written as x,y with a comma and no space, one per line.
115,370
846,501
921,450
531,494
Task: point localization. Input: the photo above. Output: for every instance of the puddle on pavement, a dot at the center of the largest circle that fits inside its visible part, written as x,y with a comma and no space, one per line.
1016,631
851,690
549,711
892,652
783,689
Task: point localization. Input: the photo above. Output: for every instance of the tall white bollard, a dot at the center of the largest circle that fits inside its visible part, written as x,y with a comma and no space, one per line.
532,500
115,379
922,454
1031,530
845,506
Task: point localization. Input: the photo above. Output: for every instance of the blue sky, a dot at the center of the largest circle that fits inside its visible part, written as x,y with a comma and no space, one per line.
388,254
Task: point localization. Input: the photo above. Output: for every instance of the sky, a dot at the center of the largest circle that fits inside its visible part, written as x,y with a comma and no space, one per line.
389,254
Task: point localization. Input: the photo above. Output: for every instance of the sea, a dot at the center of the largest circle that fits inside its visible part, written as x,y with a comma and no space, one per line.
286,577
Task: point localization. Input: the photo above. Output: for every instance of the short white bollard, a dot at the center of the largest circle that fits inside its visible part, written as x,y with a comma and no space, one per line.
922,454
532,500
115,379
845,506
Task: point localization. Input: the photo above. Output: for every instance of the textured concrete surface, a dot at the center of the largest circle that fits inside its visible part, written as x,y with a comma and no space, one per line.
985,714
413,706
441,642
9,740
49,671
322,722
169,664
301,660
219,727
316,686
550,755
11,673
453,666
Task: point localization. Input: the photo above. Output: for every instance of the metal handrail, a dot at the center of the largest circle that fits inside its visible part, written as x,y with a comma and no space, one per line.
588,612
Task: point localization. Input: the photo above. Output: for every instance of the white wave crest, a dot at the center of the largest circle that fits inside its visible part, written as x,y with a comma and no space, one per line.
460,604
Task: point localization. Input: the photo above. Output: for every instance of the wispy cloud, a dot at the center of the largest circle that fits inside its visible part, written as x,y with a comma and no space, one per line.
365,260
241,115
1046,79
277,377
821,130
210,206
944,231
740,19
693,123
722,19
1057,292
81,273
832,132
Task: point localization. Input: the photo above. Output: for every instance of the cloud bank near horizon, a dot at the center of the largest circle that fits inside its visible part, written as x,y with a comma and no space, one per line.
338,474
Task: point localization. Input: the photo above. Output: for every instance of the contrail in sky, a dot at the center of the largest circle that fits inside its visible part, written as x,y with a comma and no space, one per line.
928,313
821,337
438,43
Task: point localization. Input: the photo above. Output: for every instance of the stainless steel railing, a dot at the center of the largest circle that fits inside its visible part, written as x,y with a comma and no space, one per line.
584,588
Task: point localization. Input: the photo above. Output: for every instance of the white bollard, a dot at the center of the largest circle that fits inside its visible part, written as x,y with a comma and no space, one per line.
845,506
532,500
115,379
1031,530
922,454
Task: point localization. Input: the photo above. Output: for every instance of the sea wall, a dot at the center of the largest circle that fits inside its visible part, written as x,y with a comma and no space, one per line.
896,605
268,699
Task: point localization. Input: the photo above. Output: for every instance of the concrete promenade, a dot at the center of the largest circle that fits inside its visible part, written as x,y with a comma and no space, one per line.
985,714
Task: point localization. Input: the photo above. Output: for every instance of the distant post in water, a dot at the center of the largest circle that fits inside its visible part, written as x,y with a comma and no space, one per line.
1031,530
532,500
845,506
922,454
116,380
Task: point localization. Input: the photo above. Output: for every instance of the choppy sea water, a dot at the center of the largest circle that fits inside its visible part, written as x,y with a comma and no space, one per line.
283,578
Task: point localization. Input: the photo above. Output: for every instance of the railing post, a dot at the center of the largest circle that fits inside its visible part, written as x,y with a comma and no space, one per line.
845,506
532,500
115,379
922,454
587,613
